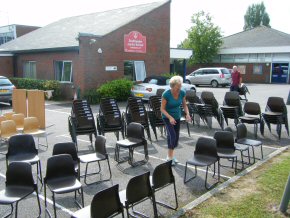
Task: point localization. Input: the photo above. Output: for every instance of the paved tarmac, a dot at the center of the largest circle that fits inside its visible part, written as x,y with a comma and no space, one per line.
57,129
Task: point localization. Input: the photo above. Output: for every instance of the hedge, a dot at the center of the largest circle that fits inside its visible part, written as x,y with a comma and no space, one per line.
27,83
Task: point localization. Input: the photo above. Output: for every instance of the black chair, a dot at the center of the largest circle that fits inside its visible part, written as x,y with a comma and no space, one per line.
162,177
138,190
243,90
19,184
81,121
61,178
154,114
21,148
99,155
205,155
183,119
106,203
135,138
109,118
232,107
276,113
159,92
242,139
226,147
210,108
253,115
136,112
68,148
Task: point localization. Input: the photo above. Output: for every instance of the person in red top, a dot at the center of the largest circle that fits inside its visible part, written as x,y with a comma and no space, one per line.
236,79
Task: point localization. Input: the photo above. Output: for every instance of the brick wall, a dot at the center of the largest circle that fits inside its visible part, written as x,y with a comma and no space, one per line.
6,66
248,77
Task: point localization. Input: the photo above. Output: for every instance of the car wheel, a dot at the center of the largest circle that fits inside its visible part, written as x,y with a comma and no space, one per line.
214,84
193,89
187,81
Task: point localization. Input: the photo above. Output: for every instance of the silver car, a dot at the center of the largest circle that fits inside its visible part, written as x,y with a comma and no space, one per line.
210,76
151,84
6,89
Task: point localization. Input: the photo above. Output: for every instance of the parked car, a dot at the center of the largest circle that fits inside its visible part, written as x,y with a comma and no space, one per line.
150,85
6,88
210,76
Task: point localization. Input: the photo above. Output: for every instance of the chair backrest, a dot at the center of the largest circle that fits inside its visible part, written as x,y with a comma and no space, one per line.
138,188
207,97
8,115
159,92
59,166
162,175
106,203
8,128
155,104
229,129
191,97
225,139
206,146
66,148
30,124
21,144
135,130
100,145
19,174
276,104
18,119
232,98
241,131
252,108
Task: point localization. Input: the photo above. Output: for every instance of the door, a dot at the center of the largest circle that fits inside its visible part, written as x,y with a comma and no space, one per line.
140,70
280,72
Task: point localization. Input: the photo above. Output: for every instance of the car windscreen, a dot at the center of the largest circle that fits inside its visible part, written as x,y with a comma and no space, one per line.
153,81
225,71
5,82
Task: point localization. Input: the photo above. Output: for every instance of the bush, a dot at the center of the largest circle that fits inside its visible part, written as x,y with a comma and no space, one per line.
169,75
91,96
118,89
26,83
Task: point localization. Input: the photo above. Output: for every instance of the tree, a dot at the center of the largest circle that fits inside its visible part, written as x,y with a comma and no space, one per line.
203,37
256,15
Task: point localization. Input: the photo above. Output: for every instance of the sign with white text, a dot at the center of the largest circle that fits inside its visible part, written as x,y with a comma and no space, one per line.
135,42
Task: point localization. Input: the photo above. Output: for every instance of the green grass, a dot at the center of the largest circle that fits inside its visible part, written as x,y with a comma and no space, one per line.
262,202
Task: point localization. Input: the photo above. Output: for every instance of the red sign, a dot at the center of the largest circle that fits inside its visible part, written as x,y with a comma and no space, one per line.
135,42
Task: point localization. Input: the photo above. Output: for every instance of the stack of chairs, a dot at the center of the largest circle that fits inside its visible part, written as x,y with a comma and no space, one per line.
232,107
154,114
276,113
136,112
210,108
243,90
192,99
110,118
81,121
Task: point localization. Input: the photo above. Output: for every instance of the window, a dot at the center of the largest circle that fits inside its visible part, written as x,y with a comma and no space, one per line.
63,71
134,70
212,72
258,69
29,69
225,71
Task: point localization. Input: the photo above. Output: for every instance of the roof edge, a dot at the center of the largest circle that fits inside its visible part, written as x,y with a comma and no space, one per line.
64,49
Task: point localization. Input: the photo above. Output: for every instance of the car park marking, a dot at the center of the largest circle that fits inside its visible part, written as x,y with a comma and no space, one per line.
49,201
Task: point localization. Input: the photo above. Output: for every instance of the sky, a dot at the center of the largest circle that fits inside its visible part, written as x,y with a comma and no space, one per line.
227,14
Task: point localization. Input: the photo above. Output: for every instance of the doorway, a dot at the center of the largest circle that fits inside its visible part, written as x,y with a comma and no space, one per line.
280,72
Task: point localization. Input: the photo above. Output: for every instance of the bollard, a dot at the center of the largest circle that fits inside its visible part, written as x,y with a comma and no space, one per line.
286,197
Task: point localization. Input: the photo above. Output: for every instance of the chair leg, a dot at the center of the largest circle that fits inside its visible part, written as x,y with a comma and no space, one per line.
54,207
38,201
188,129
253,150
242,158
185,171
11,212
16,209
262,155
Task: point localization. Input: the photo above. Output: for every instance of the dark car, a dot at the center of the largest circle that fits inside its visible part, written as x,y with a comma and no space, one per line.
6,89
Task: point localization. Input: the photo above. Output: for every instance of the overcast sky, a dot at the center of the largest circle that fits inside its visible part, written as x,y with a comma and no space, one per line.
227,14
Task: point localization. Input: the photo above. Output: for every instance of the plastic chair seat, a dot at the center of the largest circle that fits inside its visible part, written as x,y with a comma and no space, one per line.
123,196
129,142
29,158
226,153
13,193
249,119
83,213
270,113
92,157
241,147
249,142
64,185
201,160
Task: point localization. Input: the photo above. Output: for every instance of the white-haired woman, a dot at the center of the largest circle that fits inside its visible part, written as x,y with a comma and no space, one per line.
171,113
